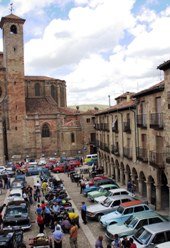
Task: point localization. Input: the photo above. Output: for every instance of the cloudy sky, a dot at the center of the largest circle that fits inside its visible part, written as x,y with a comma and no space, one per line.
100,47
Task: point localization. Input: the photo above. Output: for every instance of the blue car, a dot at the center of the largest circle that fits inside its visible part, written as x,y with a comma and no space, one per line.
32,170
89,189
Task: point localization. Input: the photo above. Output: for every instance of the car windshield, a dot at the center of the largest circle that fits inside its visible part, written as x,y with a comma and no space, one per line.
15,194
142,236
16,211
133,223
120,209
128,221
106,202
101,190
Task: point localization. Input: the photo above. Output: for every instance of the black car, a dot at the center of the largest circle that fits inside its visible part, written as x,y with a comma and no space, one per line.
16,214
11,238
105,181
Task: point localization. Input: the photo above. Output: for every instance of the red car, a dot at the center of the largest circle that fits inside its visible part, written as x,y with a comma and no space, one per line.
49,166
74,162
91,182
60,168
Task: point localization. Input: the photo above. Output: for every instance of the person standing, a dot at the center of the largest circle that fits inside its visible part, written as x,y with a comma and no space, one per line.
73,235
40,222
83,212
1,186
132,245
57,237
116,243
99,241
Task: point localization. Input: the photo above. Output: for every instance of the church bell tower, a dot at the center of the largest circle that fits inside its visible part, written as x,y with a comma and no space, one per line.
13,61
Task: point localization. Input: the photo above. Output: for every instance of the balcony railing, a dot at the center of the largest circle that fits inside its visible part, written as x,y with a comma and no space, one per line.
106,127
106,148
157,159
141,121
97,126
142,154
156,121
126,127
115,127
115,150
127,152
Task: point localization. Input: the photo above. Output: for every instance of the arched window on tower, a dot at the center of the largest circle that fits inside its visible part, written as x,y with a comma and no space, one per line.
45,131
13,29
72,138
53,92
37,89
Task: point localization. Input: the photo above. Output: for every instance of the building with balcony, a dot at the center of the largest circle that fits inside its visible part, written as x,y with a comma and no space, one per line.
138,141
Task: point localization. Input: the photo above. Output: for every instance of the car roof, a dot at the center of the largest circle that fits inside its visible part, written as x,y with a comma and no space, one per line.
131,203
15,191
163,245
107,185
120,197
155,228
146,214
117,190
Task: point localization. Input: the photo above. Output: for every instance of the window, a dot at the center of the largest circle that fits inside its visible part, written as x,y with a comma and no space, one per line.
53,92
13,29
159,238
155,220
37,89
88,120
128,211
124,193
72,138
138,209
141,223
116,203
45,131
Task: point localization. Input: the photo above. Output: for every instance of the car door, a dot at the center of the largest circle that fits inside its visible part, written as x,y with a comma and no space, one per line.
141,223
159,238
138,209
115,204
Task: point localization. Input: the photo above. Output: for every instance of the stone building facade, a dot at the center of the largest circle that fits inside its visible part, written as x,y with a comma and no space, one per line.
133,139
35,119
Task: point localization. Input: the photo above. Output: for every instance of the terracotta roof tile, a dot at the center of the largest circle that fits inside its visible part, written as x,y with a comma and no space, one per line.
40,106
122,105
40,78
125,95
156,87
67,110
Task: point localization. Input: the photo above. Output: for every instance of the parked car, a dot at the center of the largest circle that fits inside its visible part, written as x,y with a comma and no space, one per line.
74,162
123,212
42,161
32,170
11,238
103,191
20,176
90,189
60,168
2,168
14,193
16,214
105,181
151,235
96,179
132,224
8,171
17,184
163,245
109,205
114,192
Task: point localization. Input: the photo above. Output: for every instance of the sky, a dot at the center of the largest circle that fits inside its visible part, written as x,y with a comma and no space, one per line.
101,48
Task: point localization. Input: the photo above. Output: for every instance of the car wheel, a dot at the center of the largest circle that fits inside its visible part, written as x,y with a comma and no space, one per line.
99,216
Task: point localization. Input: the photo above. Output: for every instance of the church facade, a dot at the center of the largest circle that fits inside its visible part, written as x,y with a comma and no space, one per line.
35,119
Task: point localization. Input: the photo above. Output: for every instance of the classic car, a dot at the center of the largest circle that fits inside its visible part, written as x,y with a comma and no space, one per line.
103,191
89,189
32,170
109,205
16,192
132,224
16,214
11,238
123,212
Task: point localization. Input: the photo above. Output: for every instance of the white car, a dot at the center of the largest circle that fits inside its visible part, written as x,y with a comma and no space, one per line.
14,193
2,168
113,192
42,161
163,245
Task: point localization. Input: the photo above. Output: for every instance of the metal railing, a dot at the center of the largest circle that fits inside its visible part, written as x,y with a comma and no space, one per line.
115,150
127,152
157,159
141,121
142,154
156,121
126,127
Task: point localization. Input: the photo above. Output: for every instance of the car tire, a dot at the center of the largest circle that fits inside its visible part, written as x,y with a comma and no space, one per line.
99,216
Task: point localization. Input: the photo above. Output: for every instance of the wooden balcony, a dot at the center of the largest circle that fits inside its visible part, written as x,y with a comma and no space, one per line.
126,127
157,159
141,121
127,152
156,121
142,154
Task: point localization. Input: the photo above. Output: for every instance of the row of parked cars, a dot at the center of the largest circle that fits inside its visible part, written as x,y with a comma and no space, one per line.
120,212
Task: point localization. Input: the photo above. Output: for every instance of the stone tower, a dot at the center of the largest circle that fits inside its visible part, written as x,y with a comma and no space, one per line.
13,61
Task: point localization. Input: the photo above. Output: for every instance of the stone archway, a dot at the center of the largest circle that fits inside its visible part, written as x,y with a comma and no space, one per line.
117,171
112,168
127,174
164,191
109,166
122,174
142,184
151,190
134,178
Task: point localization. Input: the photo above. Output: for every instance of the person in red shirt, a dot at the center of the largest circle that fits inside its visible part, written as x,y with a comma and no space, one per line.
40,222
132,245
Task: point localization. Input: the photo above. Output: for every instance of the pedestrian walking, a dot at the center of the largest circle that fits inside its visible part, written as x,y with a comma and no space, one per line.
57,237
40,222
99,241
73,236
116,243
83,212
132,245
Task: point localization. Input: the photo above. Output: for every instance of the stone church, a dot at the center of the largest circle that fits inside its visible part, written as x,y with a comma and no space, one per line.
34,117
